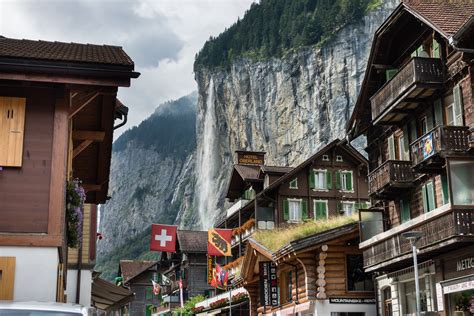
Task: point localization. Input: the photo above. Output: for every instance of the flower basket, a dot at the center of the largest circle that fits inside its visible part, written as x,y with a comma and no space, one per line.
196,310
75,198
219,303
239,297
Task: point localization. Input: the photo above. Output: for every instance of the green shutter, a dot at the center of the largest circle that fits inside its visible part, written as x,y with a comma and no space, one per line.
425,202
338,179
148,310
390,73
404,210
431,196
438,111
312,180
458,121
339,206
148,293
286,210
406,144
304,208
444,184
321,210
413,132
435,49
349,181
391,147
429,119
329,179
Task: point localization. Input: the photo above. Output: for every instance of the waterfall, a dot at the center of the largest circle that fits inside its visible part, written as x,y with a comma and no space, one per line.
206,164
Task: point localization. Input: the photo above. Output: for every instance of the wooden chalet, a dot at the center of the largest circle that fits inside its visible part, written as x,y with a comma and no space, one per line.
320,274
58,104
416,109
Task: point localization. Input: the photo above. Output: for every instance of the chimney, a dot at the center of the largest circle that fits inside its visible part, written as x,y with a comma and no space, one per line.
254,158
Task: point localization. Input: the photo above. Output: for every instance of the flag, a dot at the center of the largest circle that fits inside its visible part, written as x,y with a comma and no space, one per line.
181,296
156,287
163,238
218,242
220,279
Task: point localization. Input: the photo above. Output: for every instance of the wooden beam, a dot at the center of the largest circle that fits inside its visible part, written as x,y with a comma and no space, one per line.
97,136
82,146
89,187
78,107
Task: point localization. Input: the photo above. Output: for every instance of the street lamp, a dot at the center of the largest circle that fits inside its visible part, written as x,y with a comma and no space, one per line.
413,237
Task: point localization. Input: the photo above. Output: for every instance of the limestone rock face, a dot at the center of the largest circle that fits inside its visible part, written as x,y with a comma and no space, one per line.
288,107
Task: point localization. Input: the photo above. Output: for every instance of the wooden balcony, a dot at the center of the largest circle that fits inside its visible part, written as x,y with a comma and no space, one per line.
430,150
390,179
441,228
416,81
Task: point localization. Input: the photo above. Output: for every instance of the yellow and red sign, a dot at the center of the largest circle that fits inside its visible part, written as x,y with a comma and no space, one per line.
218,242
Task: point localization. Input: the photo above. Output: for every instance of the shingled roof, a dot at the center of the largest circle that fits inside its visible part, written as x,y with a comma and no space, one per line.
248,172
66,52
276,169
132,268
192,241
446,17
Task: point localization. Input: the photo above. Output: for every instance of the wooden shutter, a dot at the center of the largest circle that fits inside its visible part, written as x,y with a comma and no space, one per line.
286,210
429,119
338,179
458,121
304,209
329,179
391,148
12,124
444,184
406,144
7,280
413,132
435,49
349,181
321,210
425,201
438,111
431,196
312,180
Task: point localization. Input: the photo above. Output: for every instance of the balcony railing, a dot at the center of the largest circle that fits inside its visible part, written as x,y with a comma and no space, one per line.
390,178
423,73
438,227
428,150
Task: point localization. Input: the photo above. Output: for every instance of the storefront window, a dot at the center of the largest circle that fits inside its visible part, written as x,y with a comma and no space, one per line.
462,303
410,297
357,279
462,181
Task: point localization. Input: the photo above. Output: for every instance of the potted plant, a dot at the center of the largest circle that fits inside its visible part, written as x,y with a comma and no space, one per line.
75,199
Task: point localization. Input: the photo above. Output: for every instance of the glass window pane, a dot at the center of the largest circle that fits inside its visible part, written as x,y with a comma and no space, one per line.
462,181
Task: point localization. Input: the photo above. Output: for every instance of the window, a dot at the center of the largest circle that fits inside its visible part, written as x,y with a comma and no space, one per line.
338,158
148,293
402,148
428,196
450,115
325,157
344,180
457,111
12,124
249,194
357,279
320,209
445,190
404,211
320,180
387,301
462,181
295,210
347,314
391,147
424,125
347,208
289,286
294,183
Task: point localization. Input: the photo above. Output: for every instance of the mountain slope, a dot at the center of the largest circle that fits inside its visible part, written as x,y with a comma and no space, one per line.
152,181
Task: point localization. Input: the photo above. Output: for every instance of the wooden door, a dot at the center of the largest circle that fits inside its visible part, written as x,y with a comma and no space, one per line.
7,277
12,124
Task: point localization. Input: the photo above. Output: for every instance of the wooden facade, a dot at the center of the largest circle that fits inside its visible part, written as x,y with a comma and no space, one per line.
65,102
418,122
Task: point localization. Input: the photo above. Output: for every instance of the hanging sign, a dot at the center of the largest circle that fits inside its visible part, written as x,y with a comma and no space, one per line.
211,262
269,295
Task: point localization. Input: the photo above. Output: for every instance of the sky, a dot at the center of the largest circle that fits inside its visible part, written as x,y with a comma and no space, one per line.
161,36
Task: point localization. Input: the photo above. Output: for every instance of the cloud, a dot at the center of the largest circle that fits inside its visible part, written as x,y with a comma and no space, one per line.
161,36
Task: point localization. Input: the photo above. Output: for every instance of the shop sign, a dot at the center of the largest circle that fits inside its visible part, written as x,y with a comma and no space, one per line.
459,287
348,300
465,264
269,295
211,262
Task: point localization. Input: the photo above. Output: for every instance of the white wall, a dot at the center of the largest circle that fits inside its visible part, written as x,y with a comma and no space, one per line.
36,271
86,287
324,308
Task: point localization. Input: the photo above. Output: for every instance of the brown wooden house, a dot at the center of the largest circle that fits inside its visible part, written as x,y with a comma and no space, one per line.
57,111
320,274
416,109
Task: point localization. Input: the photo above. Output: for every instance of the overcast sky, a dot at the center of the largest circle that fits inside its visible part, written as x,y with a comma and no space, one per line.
161,36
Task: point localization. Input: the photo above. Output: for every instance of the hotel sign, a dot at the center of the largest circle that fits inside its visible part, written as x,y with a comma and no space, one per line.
348,300
211,262
269,295
465,264
250,159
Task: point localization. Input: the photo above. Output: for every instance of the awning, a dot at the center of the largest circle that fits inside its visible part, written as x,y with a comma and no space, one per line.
108,296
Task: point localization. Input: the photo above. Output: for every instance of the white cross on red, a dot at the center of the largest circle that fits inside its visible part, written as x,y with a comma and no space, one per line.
163,238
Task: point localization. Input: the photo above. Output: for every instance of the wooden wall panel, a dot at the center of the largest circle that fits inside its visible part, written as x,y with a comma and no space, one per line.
25,191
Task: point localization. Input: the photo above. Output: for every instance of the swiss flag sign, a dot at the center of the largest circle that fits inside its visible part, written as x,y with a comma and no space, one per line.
218,242
163,238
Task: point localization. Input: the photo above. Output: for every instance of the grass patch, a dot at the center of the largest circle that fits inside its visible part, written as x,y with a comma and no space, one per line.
277,238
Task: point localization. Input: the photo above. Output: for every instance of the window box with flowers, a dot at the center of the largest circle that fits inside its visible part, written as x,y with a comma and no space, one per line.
75,198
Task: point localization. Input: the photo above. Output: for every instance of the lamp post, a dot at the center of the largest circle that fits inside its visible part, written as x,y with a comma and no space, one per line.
413,237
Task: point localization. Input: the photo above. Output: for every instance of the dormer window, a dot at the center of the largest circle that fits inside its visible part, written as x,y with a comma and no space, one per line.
294,183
